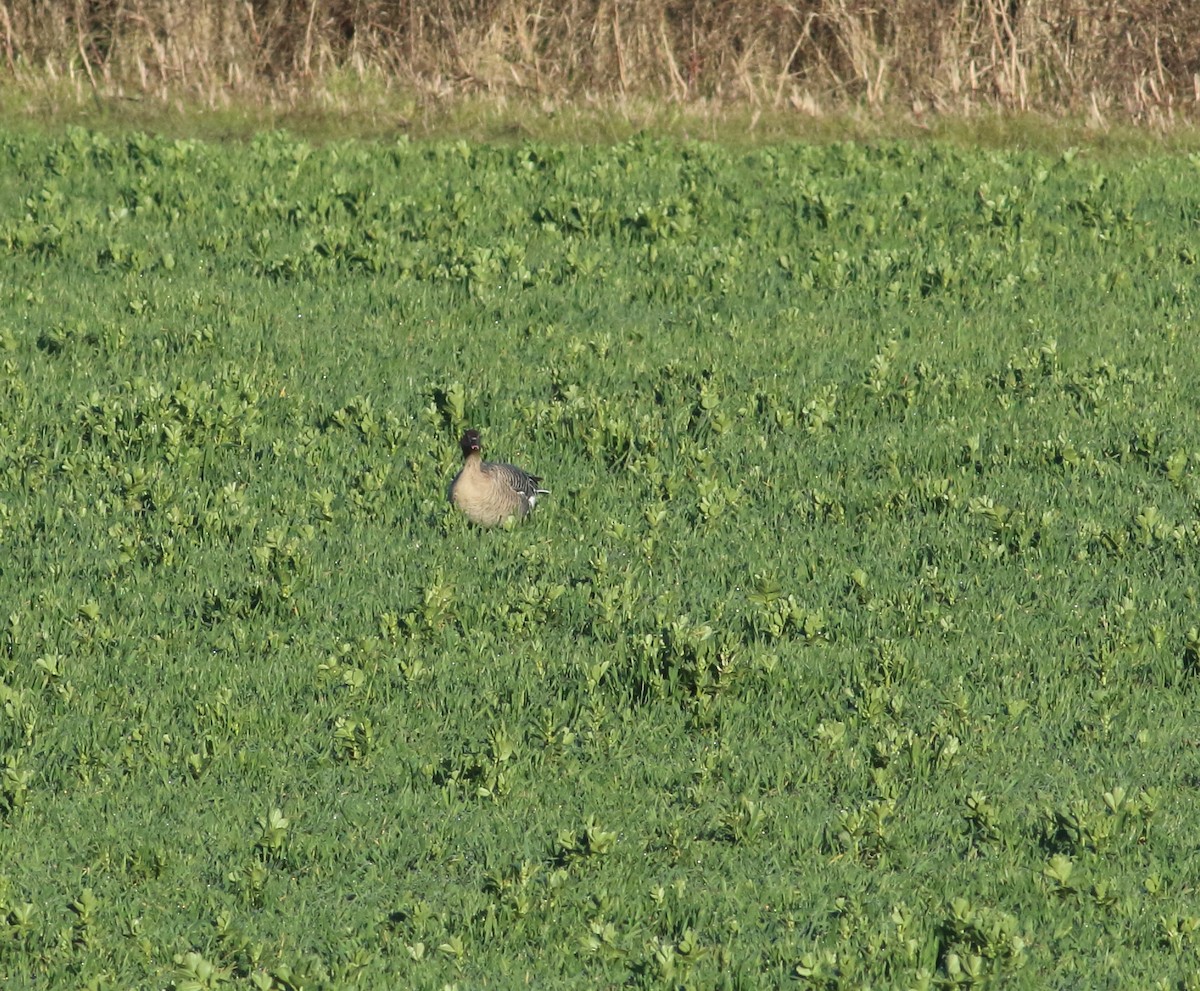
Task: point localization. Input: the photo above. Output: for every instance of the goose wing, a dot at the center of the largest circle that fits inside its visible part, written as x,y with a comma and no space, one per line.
518,479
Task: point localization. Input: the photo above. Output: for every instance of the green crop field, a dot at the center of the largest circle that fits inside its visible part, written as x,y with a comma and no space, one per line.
856,646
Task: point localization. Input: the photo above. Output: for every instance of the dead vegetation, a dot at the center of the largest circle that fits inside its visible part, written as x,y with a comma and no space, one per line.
1130,59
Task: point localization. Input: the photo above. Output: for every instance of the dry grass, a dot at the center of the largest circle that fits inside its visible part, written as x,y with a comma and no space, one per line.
1133,60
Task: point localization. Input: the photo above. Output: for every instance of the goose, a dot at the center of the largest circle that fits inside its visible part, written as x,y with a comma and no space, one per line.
490,492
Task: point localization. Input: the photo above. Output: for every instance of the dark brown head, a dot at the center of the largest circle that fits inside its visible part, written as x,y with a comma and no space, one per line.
470,443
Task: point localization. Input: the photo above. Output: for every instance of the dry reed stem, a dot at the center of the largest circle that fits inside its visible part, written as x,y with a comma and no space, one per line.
1039,54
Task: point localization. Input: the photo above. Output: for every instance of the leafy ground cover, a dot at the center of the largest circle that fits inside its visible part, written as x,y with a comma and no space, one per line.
856,647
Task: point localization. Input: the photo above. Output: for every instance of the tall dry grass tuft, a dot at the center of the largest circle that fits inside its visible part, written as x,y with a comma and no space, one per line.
1139,58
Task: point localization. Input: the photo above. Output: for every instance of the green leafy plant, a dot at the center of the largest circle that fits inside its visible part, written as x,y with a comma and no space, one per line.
853,645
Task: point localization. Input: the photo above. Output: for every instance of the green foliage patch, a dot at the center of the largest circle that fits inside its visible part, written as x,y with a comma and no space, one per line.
856,645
